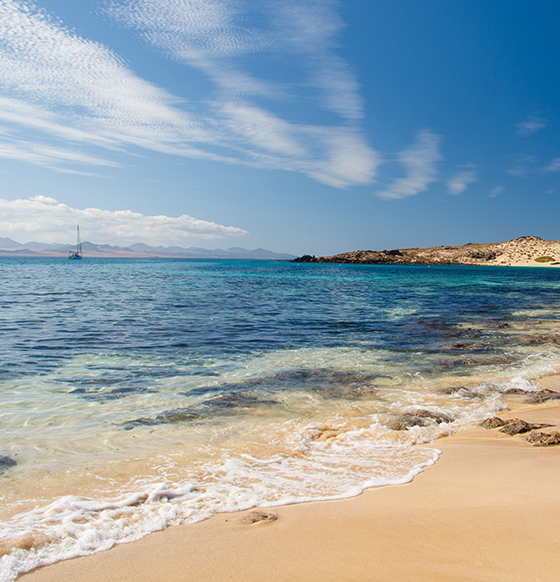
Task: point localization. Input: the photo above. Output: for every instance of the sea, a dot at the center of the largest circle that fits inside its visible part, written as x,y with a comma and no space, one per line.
140,394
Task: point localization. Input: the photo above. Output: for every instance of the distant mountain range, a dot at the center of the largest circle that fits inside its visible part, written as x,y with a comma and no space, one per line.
9,247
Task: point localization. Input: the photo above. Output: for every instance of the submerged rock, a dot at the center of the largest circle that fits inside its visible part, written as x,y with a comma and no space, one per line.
516,391
461,391
466,346
6,463
544,439
258,517
544,395
419,418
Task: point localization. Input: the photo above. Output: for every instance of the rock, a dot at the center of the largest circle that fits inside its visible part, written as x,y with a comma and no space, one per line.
543,439
516,391
323,433
460,391
438,417
464,346
407,421
518,426
305,259
419,418
258,517
494,422
544,395
6,463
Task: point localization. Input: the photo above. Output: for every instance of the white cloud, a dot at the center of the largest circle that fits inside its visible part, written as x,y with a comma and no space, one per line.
419,161
458,183
213,35
210,34
48,156
71,89
495,191
553,166
531,125
46,220
523,165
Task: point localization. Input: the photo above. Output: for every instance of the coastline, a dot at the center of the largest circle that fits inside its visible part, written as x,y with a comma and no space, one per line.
526,251
488,510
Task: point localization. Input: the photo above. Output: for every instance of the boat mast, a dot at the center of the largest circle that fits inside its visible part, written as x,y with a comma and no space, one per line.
78,242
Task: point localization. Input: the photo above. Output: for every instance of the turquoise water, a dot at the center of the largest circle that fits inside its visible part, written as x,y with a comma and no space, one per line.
137,394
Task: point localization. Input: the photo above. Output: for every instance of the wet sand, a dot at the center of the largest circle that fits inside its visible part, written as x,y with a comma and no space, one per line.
488,510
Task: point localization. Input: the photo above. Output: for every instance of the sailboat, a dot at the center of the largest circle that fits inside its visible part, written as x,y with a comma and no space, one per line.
77,254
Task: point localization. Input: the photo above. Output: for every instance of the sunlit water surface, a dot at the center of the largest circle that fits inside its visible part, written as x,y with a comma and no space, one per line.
137,394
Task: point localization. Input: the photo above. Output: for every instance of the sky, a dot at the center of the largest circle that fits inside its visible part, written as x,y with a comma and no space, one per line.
300,126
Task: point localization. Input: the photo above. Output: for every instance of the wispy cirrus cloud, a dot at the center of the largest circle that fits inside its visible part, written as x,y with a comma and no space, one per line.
46,220
420,163
552,166
76,90
496,191
526,165
531,125
50,157
212,34
217,36
458,183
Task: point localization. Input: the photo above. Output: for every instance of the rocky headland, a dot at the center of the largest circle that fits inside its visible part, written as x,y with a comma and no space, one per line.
530,251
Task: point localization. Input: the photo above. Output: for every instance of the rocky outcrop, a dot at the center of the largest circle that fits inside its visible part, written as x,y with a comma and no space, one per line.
518,426
544,395
544,439
513,426
494,422
527,250
419,418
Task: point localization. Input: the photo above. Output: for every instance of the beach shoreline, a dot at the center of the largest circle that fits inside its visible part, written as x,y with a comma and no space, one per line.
488,510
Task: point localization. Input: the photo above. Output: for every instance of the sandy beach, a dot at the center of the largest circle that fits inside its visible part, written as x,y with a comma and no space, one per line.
488,510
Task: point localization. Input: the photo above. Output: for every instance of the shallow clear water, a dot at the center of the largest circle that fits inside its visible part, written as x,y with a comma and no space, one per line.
139,394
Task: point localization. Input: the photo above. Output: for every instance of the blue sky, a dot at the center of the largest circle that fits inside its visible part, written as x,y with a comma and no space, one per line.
298,126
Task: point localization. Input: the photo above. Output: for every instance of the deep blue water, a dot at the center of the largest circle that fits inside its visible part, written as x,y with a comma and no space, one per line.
51,309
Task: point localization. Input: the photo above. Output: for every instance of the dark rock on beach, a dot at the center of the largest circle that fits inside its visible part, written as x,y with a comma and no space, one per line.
494,422
543,439
518,426
511,427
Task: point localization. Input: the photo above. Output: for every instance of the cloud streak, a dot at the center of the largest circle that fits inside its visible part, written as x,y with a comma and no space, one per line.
531,125
496,191
419,161
458,183
525,165
46,220
71,89
553,166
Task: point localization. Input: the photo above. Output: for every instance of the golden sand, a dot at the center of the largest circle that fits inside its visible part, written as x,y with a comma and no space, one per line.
488,511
